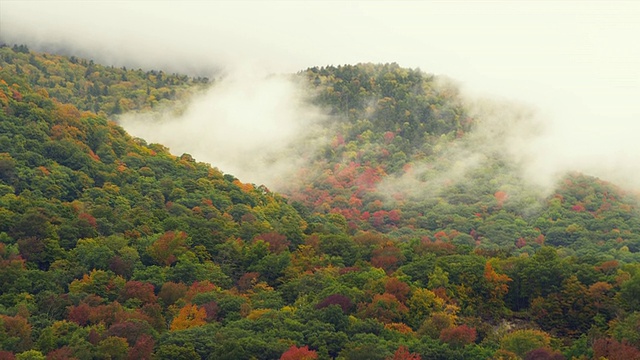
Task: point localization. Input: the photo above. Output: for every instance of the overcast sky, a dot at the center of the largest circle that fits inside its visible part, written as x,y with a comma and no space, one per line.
576,62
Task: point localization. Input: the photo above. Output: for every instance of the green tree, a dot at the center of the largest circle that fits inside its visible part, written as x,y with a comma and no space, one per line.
30,355
521,342
630,293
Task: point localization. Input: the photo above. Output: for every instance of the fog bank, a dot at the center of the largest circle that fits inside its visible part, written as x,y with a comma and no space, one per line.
574,62
250,126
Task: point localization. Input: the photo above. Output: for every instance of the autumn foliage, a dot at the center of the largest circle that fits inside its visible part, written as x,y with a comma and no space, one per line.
614,350
458,336
403,354
189,316
382,241
168,246
344,302
299,353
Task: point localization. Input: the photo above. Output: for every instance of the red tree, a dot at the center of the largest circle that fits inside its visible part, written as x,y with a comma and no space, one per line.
611,349
199,287
458,336
248,280
277,242
386,308
7,355
398,289
80,314
94,337
212,310
386,257
64,353
138,290
299,353
500,196
403,354
336,299
143,348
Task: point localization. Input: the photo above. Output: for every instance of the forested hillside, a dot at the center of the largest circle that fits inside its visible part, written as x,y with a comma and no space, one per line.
113,248
93,87
403,126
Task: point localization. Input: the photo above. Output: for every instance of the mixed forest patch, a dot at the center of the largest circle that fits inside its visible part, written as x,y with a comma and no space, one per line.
114,248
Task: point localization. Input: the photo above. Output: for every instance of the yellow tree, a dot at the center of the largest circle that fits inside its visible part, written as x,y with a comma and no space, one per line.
521,342
422,303
496,288
189,316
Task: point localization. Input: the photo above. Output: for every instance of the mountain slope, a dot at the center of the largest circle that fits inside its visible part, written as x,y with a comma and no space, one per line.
114,248
407,159
90,86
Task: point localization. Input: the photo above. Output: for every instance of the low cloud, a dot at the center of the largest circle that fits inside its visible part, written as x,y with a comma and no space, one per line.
498,154
248,125
535,148
579,71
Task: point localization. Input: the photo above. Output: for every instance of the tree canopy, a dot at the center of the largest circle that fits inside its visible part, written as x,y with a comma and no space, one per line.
111,247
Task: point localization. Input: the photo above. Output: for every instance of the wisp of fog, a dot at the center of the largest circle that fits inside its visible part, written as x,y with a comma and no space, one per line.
249,126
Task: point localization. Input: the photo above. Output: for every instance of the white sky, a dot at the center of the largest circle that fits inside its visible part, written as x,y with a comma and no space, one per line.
578,62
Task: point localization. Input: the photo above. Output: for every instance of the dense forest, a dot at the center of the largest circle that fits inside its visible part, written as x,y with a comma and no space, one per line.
114,248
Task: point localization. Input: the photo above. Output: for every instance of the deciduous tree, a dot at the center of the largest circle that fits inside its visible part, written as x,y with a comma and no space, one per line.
189,316
299,353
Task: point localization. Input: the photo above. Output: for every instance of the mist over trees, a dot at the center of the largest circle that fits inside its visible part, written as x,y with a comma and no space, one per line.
399,238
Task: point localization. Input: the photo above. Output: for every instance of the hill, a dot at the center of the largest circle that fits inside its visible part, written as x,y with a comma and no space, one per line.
93,87
111,247
408,158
